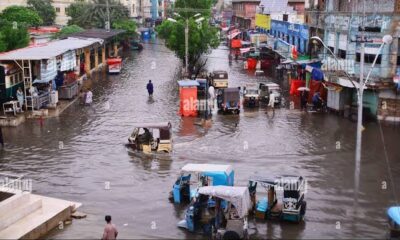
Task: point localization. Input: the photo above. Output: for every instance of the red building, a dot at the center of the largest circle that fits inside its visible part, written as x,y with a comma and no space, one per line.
244,13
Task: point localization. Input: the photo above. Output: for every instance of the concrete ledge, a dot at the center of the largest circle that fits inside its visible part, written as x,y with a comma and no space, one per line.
13,202
388,118
12,121
38,223
20,212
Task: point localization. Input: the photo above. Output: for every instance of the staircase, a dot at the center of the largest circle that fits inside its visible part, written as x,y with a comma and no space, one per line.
29,216
27,72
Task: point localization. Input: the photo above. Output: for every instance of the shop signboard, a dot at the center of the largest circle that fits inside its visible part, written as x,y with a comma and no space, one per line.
263,21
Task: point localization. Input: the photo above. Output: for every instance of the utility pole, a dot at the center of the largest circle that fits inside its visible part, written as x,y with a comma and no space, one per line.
360,93
108,17
187,46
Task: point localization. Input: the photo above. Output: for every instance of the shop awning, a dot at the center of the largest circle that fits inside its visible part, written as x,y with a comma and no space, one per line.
233,35
48,50
347,83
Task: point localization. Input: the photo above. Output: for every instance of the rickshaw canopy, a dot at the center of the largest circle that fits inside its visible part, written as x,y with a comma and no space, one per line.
221,174
394,214
158,125
280,181
238,196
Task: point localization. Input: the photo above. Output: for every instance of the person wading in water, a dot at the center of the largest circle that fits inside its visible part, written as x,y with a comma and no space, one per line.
150,88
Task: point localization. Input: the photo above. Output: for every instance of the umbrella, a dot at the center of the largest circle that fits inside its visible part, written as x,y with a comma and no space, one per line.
303,89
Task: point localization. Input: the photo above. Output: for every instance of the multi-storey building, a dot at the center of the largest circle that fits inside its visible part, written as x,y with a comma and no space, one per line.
339,24
244,13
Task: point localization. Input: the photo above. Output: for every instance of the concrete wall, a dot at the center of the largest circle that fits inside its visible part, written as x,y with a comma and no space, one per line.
357,6
7,3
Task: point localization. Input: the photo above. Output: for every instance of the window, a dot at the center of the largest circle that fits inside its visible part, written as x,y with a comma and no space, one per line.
368,58
341,53
285,17
58,9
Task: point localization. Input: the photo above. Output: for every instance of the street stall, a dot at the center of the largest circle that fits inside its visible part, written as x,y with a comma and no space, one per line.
188,98
39,65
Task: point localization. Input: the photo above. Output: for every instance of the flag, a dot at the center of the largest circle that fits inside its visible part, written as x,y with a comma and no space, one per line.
294,53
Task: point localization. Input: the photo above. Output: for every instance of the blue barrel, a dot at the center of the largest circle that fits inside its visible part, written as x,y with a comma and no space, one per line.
146,35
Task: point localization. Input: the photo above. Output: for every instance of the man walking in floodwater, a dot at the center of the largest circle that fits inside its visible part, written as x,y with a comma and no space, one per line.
110,231
150,88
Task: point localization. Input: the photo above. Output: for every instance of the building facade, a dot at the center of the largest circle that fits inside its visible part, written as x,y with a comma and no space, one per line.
244,13
339,24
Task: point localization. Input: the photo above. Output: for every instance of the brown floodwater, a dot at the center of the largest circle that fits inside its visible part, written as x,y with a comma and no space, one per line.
93,155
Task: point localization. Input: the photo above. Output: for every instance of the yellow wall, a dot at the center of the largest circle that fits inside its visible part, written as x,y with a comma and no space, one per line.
263,21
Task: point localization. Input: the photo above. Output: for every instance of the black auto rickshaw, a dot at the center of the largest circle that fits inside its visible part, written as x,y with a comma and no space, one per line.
229,100
148,137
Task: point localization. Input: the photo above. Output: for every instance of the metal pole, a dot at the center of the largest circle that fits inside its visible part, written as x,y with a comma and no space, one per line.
108,17
187,46
360,109
206,114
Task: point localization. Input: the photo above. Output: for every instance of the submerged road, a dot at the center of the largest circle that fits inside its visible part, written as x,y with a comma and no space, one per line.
81,156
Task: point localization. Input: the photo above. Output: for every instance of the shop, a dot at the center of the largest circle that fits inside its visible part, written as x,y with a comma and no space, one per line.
48,70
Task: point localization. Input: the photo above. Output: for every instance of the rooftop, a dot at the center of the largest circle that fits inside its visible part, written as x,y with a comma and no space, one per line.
98,33
48,50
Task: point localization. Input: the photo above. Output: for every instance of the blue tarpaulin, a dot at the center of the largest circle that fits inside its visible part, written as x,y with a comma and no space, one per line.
317,74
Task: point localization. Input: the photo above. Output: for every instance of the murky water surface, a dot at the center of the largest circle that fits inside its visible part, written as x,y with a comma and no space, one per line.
288,142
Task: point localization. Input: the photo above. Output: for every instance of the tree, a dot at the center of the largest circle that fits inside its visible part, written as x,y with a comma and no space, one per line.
21,15
202,37
44,9
128,25
67,30
94,14
3,44
12,37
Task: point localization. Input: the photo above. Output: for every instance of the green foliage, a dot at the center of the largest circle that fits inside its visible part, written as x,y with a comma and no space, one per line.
21,15
94,14
67,30
3,44
44,9
202,37
12,38
128,25
188,8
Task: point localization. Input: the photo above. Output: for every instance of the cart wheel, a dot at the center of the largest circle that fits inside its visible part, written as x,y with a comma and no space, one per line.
303,210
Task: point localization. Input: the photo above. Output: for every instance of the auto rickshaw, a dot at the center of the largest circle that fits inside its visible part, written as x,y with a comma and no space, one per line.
292,207
148,137
267,88
193,176
228,100
219,79
251,96
225,219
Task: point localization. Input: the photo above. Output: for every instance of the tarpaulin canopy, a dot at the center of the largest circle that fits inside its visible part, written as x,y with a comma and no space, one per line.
207,168
49,50
233,35
238,196
188,83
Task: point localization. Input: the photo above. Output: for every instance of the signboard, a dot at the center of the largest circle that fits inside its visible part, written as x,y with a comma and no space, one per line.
263,21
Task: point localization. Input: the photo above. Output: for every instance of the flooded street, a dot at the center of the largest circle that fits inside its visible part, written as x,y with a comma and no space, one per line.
79,154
